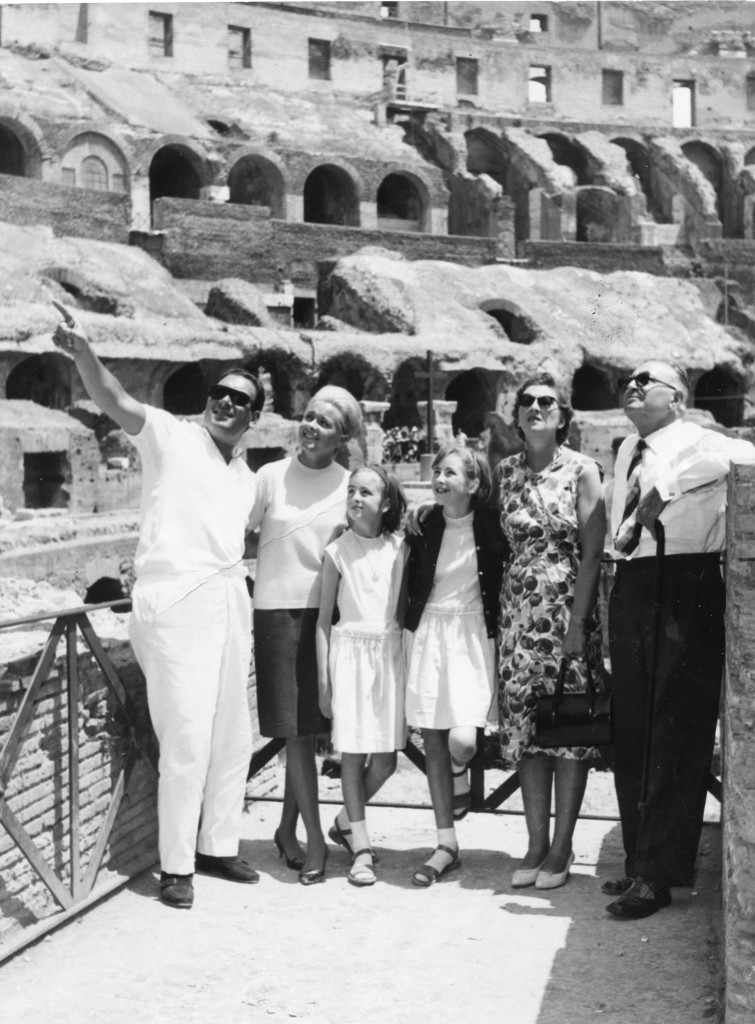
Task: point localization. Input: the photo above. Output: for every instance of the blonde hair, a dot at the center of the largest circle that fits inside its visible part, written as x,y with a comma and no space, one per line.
349,410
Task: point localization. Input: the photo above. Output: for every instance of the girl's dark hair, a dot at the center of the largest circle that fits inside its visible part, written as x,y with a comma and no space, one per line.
258,401
476,467
393,494
562,397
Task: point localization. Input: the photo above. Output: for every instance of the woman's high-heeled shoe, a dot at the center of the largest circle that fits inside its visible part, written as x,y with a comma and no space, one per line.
314,875
295,863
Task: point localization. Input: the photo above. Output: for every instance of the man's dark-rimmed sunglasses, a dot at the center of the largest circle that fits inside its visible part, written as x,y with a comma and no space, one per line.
642,380
239,398
544,401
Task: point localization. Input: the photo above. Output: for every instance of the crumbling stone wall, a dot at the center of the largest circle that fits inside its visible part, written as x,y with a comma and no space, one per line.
208,241
739,750
68,211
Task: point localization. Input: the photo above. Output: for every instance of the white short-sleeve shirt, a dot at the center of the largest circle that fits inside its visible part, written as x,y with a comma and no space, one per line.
195,506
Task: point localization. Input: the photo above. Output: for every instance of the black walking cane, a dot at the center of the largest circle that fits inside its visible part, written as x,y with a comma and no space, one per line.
660,548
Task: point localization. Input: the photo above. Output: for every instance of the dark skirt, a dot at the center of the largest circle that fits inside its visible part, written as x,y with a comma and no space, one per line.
286,662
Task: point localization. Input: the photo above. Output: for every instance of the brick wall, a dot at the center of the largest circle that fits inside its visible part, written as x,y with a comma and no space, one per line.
208,241
38,792
602,257
739,750
80,212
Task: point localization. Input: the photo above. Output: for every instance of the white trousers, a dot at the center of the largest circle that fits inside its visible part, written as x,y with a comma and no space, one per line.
192,638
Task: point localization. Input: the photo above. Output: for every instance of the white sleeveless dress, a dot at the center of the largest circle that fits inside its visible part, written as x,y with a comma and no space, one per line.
366,649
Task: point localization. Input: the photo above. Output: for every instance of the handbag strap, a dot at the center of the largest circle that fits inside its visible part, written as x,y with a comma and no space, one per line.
563,668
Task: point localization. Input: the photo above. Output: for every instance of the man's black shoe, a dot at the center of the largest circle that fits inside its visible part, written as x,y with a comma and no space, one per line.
233,868
176,890
641,900
617,886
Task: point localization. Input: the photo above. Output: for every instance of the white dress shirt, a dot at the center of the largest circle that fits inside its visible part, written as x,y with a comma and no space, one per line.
688,465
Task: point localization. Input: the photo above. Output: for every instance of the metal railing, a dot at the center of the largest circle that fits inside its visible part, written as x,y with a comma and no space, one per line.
71,624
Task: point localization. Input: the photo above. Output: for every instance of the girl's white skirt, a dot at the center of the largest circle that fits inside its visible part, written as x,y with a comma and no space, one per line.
451,665
367,674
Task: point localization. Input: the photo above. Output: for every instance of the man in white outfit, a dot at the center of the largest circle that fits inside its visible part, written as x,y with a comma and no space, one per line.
191,621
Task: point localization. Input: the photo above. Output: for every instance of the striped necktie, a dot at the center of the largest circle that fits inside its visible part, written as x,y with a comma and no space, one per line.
628,534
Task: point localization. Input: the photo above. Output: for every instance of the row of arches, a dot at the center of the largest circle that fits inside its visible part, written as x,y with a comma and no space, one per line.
487,154
46,380
332,191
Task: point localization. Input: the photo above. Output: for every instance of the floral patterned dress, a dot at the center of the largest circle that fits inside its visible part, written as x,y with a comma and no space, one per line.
539,518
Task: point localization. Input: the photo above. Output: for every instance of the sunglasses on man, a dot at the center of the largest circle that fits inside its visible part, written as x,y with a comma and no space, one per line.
642,381
239,398
544,401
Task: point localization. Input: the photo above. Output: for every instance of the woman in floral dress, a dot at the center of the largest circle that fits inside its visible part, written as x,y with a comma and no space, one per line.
553,514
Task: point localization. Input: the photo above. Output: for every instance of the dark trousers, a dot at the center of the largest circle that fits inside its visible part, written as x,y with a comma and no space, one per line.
661,842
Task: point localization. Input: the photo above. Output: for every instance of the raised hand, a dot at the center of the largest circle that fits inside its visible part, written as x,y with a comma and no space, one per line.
69,336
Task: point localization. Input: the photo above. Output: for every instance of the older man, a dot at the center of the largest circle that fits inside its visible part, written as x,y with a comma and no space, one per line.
674,472
191,622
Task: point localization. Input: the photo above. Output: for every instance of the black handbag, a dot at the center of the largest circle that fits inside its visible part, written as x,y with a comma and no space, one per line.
574,719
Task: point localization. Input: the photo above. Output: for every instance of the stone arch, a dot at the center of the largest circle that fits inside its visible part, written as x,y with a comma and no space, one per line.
598,210
721,392
638,160
517,326
402,203
710,162
44,379
750,157
406,391
331,196
256,180
486,154
568,154
593,389
353,372
22,147
475,398
85,146
185,390
283,377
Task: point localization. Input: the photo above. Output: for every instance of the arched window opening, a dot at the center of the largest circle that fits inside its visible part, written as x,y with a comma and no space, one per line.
12,153
355,375
41,379
597,214
720,391
47,480
330,197
171,173
592,389
707,160
94,174
399,205
474,399
255,181
185,391
518,328
639,164
406,391
564,152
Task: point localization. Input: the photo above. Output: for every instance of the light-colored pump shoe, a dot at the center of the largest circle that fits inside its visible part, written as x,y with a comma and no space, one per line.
552,879
523,877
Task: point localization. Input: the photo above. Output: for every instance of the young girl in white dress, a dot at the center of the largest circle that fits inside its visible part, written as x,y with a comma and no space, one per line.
454,574
360,660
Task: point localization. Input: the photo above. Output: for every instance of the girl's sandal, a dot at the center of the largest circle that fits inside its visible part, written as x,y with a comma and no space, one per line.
425,876
340,836
362,875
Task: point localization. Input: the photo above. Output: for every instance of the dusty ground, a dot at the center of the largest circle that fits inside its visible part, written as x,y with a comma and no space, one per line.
471,949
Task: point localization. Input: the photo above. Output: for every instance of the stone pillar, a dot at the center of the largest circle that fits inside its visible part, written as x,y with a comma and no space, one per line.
368,216
442,413
372,431
738,809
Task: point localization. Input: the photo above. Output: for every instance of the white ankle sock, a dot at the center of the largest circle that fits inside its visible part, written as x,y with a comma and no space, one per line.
359,837
447,837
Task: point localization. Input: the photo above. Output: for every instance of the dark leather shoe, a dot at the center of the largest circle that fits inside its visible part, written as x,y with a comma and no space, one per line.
616,886
176,890
642,899
233,868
